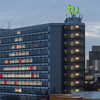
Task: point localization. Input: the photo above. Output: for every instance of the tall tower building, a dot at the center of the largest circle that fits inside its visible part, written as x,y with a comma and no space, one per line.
74,54
39,60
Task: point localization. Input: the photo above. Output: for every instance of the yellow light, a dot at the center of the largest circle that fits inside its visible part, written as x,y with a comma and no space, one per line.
77,90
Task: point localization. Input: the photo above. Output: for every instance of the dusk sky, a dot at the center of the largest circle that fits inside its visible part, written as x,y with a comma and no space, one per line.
22,13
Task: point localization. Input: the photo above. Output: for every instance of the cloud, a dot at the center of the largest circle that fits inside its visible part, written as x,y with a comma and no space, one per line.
93,30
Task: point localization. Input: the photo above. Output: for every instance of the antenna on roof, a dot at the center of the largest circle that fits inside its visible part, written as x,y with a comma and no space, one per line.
66,15
79,14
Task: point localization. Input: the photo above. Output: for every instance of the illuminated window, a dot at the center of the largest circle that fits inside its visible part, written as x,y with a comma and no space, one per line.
65,35
65,82
77,26
72,83
12,47
77,90
16,39
77,42
23,53
72,75
23,45
65,74
65,67
18,32
19,46
72,35
31,60
34,67
18,90
23,61
77,34
6,61
65,59
77,74
77,66
77,58
77,82
65,51
65,43
20,39
27,52
72,90
27,60
72,67
72,27
72,51
36,45
39,83
86,82
16,61
91,82
65,27
77,50
72,43
72,59
27,83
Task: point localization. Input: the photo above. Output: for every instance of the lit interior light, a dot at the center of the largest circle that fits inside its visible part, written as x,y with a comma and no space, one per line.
77,26
77,34
91,82
77,50
86,82
77,82
77,66
18,32
77,90
18,90
77,74
77,58
77,42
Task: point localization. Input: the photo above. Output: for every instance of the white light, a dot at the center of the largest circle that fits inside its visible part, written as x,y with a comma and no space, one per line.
77,82
77,50
77,66
77,34
77,74
77,26
77,90
77,58
77,42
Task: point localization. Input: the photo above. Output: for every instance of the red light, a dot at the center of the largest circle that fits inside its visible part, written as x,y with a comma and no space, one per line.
0,75
5,82
31,68
32,75
8,61
15,82
15,46
20,61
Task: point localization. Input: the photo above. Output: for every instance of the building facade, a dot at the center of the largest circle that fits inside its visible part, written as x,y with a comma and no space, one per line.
38,60
92,75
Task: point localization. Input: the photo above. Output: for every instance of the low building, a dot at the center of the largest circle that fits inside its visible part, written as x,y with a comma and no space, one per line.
82,95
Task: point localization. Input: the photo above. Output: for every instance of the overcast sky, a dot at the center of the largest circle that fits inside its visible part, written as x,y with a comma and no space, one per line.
32,12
